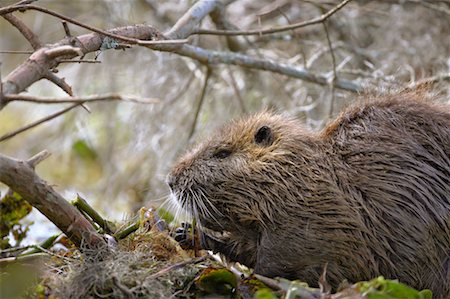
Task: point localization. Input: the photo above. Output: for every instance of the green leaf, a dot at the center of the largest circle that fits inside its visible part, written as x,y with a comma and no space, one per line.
83,150
380,288
216,281
251,287
264,293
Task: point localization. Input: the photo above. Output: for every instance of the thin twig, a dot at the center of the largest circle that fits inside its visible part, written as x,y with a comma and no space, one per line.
60,82
16,52
46,244
316,20
86,99
177,266
66,29
182,90
38,122
38,158
334,76
21,177
130,40
210,57
235,87
14,249
192,18
24,30
200,102
1,85
63,50
79,61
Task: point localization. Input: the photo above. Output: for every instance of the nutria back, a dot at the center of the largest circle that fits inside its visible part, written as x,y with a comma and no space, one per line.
367,196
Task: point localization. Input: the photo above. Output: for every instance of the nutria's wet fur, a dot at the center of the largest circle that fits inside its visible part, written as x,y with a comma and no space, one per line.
367,196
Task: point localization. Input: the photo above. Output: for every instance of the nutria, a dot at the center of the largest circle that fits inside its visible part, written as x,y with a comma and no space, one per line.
367,196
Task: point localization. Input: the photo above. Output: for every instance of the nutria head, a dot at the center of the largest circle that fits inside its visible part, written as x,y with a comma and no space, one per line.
237,176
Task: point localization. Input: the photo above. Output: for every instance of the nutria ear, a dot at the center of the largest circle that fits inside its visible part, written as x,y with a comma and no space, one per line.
264,136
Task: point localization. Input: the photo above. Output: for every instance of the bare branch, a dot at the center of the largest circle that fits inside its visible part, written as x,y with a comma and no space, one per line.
76,100
16,52
219,57
156,37
26,32
59,82
79,61
192,18
87,99
31,70
36,123
65,50
334,76
316,20
20,177
200,102
235,87
38,158
179,265
66,29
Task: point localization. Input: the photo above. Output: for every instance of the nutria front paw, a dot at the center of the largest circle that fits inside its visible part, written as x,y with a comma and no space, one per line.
184,235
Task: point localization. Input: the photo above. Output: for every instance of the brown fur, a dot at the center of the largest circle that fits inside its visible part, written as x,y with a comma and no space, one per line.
368,196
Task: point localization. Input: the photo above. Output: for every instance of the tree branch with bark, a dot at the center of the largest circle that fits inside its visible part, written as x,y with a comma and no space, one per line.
20,176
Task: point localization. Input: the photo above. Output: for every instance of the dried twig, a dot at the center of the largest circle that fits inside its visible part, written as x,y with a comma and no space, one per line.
77,101
235,87
38,122
46,244
26,32
334,75
130,40
86,99
62,51
200,102
316,20
20,177
30,71
38,158
79,61
16,52
60,82
190,20
220,57
66,29
178,265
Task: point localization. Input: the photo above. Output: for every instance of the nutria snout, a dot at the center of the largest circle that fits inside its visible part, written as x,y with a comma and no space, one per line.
367,196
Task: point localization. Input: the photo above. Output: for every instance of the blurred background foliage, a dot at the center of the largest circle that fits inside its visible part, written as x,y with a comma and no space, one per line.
117,156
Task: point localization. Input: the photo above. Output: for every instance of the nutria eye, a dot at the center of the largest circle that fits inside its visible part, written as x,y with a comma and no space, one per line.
222,153
264,136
